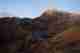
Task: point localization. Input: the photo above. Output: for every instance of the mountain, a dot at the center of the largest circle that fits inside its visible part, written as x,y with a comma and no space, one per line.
23,20
24,26
52,23
55,22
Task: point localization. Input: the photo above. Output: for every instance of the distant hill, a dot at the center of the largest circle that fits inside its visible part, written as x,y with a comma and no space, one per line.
24,32
24,25
23,20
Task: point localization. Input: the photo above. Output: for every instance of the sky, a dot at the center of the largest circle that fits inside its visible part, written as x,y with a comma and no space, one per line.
33,8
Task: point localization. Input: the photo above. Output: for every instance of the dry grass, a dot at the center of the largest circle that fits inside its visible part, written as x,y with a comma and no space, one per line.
56,43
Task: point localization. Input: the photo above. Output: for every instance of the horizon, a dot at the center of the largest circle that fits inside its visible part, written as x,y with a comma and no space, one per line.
31,8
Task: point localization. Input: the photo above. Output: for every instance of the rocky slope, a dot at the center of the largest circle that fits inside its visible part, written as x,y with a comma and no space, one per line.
55,23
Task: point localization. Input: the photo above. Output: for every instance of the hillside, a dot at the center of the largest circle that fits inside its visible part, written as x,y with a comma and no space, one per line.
49,25
13,28
24,26
24,33
46,31
55,23
50,22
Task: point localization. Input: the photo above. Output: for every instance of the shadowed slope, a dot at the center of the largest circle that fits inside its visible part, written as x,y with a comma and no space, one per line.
7,34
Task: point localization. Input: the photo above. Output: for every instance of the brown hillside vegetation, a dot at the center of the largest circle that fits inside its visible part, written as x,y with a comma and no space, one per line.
55,23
